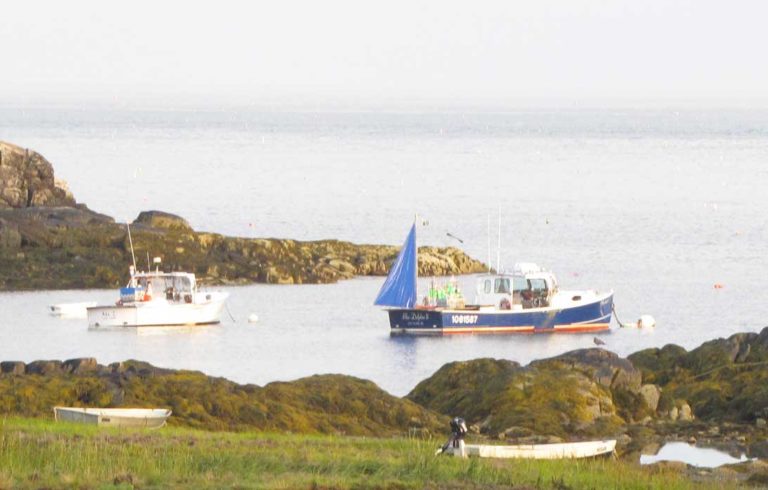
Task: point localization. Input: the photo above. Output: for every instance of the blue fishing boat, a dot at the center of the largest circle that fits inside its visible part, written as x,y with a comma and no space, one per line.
526,299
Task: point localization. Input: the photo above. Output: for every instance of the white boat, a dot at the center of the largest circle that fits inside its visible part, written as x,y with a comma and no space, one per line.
151,418
567,450
71,310
159,299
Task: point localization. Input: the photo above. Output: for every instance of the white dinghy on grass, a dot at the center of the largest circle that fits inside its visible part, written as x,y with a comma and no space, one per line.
150,418
566,450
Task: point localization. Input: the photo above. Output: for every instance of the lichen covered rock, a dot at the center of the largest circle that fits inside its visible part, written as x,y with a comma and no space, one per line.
75,248
27,180
551,397
327,404
161,219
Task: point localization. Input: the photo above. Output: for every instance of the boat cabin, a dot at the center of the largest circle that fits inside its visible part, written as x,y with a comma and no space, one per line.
148,286
527,286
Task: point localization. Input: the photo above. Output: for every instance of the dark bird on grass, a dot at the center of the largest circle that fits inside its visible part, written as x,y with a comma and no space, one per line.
598,341
454,236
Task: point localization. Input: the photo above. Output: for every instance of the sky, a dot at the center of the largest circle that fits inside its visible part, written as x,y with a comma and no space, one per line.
361,51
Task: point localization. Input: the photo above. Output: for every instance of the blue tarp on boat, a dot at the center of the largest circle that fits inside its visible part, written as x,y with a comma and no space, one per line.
400,287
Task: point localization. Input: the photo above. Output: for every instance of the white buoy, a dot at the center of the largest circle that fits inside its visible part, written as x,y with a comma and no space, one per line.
253,318
646,321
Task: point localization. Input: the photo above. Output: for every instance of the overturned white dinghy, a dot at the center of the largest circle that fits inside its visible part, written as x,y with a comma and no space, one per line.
567,450
151,418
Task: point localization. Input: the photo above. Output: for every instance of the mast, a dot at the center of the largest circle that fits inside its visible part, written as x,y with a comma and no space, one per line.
415,254
130,241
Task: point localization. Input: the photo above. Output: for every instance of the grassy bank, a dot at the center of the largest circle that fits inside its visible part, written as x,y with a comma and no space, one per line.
38,453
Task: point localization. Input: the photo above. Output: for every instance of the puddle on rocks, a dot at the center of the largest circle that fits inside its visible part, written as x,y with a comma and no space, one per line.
703,457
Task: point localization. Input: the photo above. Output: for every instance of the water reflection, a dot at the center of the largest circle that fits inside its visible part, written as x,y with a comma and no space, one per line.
704,457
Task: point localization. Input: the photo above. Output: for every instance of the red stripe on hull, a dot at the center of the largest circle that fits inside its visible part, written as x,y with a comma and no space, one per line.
589,327
450,330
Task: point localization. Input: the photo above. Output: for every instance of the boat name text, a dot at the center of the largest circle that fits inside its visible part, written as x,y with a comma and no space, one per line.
415,316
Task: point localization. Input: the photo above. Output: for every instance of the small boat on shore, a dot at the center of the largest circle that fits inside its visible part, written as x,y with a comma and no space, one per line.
159,299
151,418
71,310
566,450
527,299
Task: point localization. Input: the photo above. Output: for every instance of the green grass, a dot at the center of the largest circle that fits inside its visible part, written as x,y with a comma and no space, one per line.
36,453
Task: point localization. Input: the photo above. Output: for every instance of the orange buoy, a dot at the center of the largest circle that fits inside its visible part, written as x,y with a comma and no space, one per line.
719,286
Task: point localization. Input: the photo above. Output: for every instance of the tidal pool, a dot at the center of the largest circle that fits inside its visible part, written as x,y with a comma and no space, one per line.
704,457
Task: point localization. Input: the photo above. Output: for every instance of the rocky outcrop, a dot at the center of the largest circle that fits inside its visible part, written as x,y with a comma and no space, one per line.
27,180
47,241
723,379
160,219
716,394
328,404
43,367
593,391
12,367
601,366
577,394
77,248
80,366
651,395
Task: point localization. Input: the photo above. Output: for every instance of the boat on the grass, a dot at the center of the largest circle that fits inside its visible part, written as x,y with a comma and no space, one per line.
71,310
159,299
151,418
566,450
527,299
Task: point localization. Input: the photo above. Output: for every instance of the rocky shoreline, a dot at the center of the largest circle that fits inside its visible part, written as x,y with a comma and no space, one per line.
714,396
652,395
48,241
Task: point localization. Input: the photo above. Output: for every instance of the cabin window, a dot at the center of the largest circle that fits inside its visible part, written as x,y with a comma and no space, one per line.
181,284
502,285
487,286
538,284
519,284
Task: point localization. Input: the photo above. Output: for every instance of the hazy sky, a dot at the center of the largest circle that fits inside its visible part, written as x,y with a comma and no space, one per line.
399,50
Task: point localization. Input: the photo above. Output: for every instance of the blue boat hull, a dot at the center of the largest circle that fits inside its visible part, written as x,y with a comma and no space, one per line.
590,317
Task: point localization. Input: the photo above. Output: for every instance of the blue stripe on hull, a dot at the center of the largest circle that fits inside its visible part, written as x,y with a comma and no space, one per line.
592,316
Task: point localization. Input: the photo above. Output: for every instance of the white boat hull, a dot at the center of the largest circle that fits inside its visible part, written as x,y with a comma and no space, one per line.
204,310
123,417
569,450
72,310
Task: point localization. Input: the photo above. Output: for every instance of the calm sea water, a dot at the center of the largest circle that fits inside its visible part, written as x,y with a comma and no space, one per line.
657,205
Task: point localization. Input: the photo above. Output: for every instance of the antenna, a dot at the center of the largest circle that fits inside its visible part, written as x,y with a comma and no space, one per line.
489,243
498,249
130,241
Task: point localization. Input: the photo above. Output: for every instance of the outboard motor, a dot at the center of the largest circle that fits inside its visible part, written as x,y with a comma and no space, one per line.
456,441
458,428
